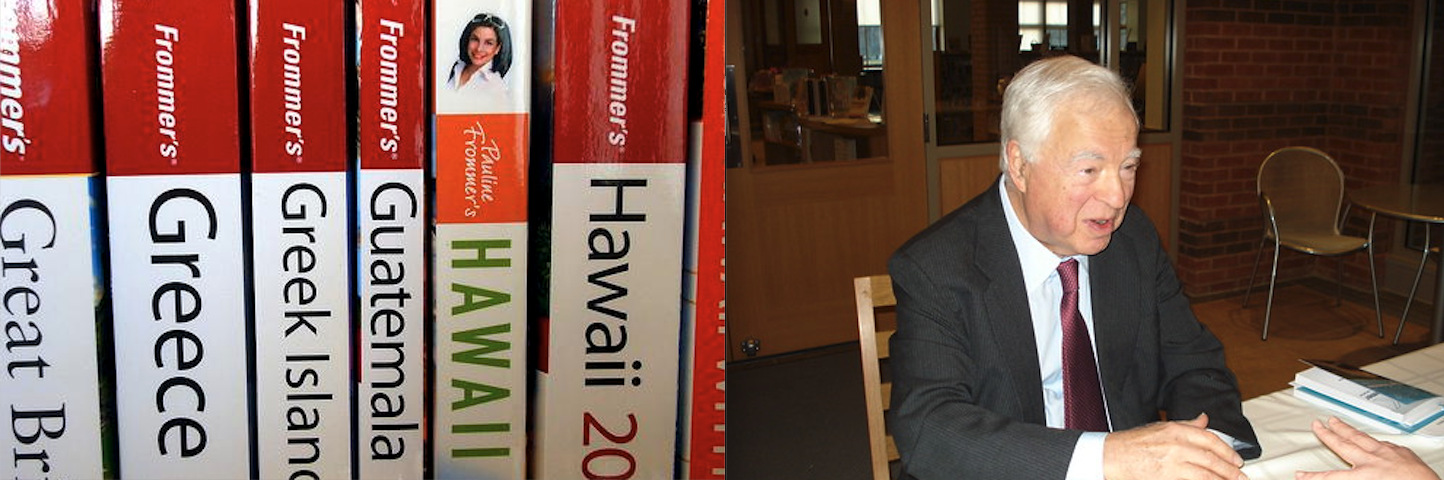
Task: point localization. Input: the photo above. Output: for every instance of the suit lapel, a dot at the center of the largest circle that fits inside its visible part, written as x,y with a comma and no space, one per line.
1116,330
1008,316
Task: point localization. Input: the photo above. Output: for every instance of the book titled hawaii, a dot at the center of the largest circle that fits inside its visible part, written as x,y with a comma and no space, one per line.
300,238
702,404
51,283
481,58
177,261
608,381
391,254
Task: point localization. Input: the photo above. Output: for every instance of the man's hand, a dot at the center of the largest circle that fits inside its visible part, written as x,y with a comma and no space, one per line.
1370,457
1168,450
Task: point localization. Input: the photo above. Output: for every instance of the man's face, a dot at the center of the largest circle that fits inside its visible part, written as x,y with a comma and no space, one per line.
1074,195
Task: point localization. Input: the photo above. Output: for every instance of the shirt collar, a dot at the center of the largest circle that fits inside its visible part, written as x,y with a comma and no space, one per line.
1038,262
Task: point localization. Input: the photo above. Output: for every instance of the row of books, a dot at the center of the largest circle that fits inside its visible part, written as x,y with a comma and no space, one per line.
367,239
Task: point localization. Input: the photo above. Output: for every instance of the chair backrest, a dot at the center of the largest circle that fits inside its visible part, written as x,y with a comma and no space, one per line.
874,294
1304,188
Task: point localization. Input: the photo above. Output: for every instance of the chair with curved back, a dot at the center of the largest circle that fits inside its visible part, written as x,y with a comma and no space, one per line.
1301,191
874,294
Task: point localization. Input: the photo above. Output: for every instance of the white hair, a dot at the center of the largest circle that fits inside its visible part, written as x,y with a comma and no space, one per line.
1038,91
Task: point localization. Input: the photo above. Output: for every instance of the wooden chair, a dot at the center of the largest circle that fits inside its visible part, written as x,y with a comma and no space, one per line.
874,293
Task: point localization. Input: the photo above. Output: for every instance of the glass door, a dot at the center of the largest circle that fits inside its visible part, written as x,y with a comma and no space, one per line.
829,182
973,48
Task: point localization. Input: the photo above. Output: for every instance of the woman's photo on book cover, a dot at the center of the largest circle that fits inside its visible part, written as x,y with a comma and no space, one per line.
476,52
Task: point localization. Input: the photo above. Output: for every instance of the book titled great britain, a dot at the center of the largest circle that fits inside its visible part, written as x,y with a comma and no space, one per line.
481,59
50,283
178,287
607,379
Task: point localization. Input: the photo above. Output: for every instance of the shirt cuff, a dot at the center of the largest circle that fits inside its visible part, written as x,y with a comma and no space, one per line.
1236,444
1087,461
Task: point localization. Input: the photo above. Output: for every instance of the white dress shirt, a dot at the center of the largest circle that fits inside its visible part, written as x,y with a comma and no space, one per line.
484,92
1045,294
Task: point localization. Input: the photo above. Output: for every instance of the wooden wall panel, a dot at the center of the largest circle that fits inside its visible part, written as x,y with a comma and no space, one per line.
800,236
962,178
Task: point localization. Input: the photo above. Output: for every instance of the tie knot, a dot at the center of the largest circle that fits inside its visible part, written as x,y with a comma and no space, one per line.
1068,273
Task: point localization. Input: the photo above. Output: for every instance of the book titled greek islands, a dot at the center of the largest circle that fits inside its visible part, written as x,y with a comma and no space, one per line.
50,285
608,381
300,238
391,215
177,263
481,60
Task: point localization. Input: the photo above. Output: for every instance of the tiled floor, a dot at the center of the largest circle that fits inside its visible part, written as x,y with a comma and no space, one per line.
802,417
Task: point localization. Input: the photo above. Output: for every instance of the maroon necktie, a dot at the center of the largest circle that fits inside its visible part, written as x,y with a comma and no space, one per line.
1082,393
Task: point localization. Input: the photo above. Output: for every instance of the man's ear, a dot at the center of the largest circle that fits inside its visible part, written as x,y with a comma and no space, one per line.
1017,166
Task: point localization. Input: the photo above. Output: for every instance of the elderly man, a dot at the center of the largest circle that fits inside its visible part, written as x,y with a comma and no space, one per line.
1041,327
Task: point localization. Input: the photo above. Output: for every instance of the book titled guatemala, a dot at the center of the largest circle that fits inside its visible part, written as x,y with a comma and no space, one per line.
701,407
300,238
178,271
51,283
481,53
1369,395
607,380
391,253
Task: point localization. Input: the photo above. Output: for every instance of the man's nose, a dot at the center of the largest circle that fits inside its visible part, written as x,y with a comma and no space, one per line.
1113,191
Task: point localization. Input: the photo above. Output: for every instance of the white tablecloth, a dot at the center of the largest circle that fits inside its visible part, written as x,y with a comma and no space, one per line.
1282,422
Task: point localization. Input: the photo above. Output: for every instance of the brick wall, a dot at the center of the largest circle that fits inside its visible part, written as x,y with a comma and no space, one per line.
1263,74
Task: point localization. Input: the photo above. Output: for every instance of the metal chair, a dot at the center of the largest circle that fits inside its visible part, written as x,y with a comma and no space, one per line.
1300,191
873,294
1423,259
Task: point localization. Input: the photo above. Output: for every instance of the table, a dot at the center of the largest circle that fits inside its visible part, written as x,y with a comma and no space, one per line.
1283,422
1420,203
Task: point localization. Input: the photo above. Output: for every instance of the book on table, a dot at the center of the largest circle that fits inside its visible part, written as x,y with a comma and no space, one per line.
1362,393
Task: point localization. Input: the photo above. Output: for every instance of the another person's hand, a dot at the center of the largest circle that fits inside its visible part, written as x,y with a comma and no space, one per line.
1371,458
1168,450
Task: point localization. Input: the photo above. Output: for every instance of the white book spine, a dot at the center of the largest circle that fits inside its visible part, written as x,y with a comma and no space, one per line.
50,286
611,393
302,323
390,283
177,287
480,350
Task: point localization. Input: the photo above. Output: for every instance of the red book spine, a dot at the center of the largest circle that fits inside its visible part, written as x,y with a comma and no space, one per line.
609,392
706,437
51,286
177,262
300,238
391,218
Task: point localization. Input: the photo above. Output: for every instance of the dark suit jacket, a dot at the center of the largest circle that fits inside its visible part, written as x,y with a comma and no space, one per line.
967,395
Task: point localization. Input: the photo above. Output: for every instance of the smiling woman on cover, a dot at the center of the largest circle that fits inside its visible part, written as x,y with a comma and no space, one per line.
483,58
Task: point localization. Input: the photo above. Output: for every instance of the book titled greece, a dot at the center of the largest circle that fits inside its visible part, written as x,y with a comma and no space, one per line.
51,282
177,263
391,217
300,238
608,383
481,54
